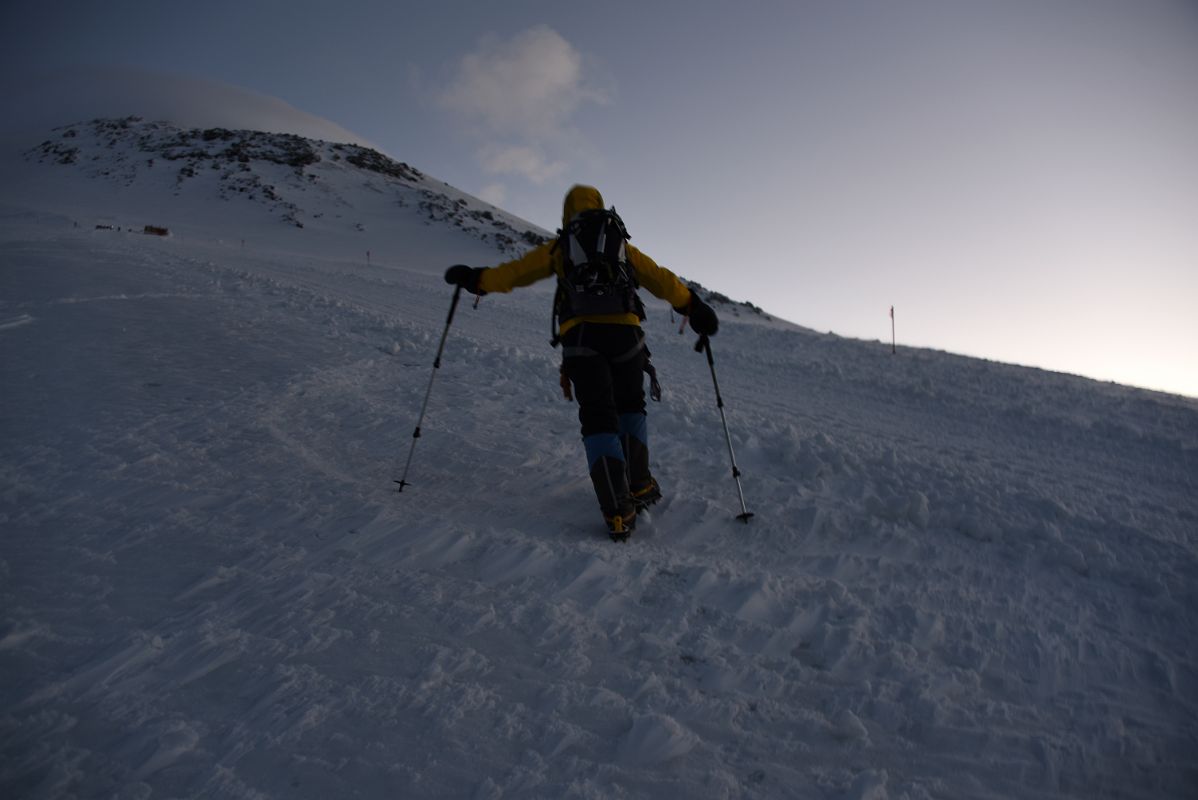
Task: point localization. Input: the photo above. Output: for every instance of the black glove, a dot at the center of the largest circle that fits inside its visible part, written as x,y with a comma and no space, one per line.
702,317
464,276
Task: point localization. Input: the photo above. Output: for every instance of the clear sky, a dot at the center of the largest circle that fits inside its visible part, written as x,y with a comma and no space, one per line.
1019,178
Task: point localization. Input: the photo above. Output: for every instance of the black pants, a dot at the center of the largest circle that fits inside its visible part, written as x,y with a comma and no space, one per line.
606,365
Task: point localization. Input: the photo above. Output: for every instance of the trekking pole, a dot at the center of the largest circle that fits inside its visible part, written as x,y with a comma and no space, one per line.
403,481
704,345
893,340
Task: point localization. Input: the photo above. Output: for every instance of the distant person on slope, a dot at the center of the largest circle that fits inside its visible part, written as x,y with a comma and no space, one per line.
597,318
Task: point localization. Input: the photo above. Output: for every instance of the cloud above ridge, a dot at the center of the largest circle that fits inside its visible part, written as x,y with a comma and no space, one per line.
529,162
519,96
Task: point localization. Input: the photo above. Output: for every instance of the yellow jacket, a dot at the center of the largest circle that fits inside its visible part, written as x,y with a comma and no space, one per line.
546,260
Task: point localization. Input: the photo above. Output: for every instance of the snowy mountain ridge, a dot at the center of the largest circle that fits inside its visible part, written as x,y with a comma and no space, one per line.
964,579
297,179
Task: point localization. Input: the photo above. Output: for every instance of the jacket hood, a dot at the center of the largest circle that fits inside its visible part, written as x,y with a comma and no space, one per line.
580,198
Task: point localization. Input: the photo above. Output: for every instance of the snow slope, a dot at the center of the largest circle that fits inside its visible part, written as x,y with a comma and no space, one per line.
963,580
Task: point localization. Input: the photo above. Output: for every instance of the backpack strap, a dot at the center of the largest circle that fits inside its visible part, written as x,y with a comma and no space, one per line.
554,338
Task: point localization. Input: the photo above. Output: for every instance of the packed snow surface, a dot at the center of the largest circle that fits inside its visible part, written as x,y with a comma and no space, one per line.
963,580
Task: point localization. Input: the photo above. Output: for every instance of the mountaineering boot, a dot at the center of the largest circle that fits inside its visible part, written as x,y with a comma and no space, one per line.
611,490
620,526
646,495
634,441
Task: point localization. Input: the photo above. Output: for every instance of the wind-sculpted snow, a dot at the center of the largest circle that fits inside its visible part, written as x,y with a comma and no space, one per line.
963,579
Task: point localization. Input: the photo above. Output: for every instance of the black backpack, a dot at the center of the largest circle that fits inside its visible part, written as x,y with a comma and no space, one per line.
596,277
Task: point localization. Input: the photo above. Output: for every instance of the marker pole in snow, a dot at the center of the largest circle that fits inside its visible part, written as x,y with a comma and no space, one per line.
704,346
893,341
403,481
